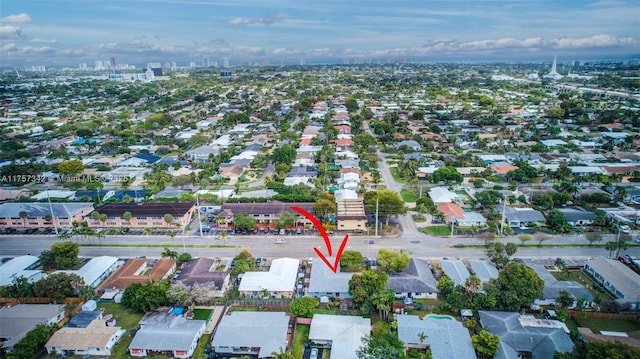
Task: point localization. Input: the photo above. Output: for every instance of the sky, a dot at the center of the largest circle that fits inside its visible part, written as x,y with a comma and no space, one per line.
70,32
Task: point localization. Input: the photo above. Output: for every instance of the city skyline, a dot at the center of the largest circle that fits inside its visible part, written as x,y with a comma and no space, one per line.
67,33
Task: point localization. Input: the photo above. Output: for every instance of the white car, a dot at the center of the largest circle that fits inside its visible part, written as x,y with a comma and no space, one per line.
624,229
314,354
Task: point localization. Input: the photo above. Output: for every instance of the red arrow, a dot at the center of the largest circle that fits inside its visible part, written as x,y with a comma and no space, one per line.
327,241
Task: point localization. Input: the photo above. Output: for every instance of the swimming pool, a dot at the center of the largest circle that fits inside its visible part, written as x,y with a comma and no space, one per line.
438,317
462,197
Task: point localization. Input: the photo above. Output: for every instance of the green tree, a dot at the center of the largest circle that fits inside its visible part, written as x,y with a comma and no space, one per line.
486,344
393,261
58,285
168,252
241,266
323,208
143,298
168,219
558,222
285,220
284,154
362,287
445,285
524,238
70,168
388,204
127,216
351,261
65,254
386,345
564,299
87,292
47,259
303,307
447,175
32,343
600,349
541,237
518,285
184,257
244,221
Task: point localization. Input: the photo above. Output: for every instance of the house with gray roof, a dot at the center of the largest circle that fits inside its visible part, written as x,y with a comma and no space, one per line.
22,266
323,282
483,269
251,333
17,321
343,333
444,338
578,216
521,216
166,334
524,335
416,281
455,270
553,286
621,281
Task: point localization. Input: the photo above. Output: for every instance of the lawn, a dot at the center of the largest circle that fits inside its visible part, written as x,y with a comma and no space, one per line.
300,337
409,196
202,344
616,325
596,290
436,230
125,318
201,314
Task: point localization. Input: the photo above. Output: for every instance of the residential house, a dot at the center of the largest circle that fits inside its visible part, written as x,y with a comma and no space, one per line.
521,216
257,334
416,281
342,333
444,338
414,145
483,269
164,333
323,282
85,337
350,215
202,273
17,321
137,270
22,266
96,270
455,270
553,286
442,195
42,214
144,215
203,153
456,215
578,216
526,336
12,194
278,282
621,281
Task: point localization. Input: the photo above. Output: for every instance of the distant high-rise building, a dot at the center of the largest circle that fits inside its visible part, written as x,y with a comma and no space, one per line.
225,62
205,62
281,63
114,62
302,62
98,65
82,66
192,64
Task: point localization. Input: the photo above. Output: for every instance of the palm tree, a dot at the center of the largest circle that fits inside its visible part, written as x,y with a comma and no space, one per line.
169,253
283,354
23,215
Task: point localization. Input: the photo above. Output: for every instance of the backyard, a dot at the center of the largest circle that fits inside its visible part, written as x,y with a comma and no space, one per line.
125,318
617,325
594,288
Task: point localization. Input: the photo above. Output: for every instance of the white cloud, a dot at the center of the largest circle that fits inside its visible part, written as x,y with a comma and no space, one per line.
268,20
10,32
43,41
20,19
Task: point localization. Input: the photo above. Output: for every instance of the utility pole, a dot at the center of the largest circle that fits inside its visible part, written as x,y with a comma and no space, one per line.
504,207
53,218
377,202
198,209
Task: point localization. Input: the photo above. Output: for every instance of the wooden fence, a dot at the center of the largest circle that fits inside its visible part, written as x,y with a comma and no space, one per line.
40,300
576,314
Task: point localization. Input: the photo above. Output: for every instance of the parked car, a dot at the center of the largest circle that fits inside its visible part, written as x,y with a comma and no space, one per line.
314,354
624,229
624,260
